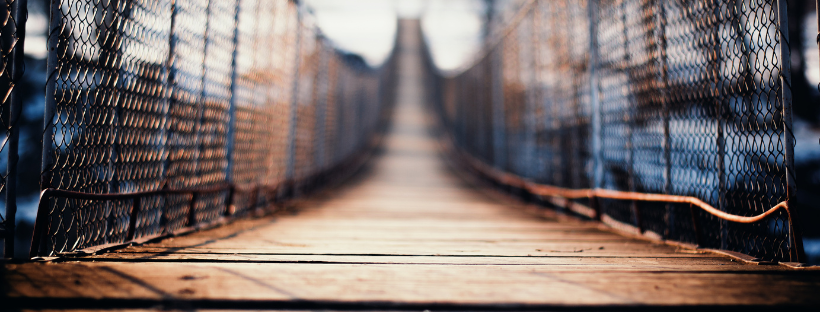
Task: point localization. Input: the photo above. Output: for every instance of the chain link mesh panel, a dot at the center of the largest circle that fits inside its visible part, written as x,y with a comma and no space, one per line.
662,97
201,108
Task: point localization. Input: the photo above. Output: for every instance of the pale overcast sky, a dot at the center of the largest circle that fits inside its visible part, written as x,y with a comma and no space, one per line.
368,27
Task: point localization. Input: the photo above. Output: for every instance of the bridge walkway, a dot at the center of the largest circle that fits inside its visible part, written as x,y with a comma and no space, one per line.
406,233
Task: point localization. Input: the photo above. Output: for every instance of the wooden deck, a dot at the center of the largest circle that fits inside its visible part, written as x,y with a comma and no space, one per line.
406,234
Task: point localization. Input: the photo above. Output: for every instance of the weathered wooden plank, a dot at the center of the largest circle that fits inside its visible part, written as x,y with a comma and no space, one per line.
676,263
329,249
576,285
342,232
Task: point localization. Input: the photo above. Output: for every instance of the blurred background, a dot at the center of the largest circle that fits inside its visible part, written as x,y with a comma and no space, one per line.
368,28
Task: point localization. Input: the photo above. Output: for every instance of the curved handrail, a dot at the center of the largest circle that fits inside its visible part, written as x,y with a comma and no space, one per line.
550,190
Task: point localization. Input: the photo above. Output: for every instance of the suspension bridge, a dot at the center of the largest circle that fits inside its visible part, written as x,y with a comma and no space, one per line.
319,183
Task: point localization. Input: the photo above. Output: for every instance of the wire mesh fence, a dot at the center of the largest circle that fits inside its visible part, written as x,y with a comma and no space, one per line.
689,99
165,115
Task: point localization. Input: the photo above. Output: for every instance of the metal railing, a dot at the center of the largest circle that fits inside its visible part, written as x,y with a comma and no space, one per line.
163,116
666,118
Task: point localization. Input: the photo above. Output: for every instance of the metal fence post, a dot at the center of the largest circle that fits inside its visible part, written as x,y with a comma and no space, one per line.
499,124
322,81
200,117
113,44
53,70
487,110
232,102
595,102
339,102
796,250
534,97
20,9
318,113
52,63
629,120
460,118
720,139
201,102
294,101
667,140
169,81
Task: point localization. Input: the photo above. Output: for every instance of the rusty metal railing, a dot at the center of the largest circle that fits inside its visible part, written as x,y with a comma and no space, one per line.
636,112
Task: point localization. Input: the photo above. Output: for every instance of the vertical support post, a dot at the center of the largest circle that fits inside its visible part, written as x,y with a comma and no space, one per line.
116,14
40,224
322,81
169,81
20,9
499,124
595,102
461,116
229,206
201,103
200,119
192,209
535,95
721,125
577,131
132,221
629,119
253,205
667,140
52,68
555,122
108,40
294,102
796,250
340,118
232,105
696,226
486,108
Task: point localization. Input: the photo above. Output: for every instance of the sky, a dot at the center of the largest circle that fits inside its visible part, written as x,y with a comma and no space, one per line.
368,27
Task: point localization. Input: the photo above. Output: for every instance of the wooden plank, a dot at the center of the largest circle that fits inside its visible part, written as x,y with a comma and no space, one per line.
575,285
676,263
276,247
